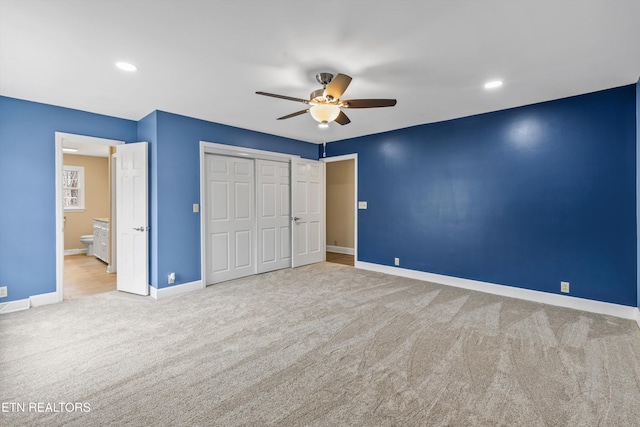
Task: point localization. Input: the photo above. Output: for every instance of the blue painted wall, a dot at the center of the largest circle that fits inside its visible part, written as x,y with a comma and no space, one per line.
175,152
27,187
525,197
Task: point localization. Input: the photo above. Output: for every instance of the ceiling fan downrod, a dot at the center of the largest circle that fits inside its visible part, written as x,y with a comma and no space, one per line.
324,78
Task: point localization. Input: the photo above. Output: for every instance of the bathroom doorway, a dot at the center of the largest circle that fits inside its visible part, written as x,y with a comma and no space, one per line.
85,216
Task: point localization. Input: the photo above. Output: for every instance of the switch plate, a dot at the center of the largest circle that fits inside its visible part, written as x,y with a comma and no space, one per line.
564,287
396,261
3,291
196,207
362,205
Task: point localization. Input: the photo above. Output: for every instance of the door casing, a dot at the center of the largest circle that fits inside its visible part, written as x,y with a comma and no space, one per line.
353,157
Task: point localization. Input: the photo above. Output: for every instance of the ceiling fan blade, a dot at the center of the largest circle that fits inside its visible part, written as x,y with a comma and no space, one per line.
288,98
368,103
337,86
297,113
342,119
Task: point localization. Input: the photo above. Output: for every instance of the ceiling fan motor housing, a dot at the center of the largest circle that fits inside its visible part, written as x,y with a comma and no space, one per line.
317,95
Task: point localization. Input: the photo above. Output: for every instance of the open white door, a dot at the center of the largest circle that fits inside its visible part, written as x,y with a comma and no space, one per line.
132,218
307,200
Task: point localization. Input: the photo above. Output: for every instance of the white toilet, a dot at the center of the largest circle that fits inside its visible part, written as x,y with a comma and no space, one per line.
87,240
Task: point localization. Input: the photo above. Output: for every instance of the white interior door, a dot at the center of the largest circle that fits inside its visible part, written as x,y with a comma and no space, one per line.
230,228
308,223
273,214
132,218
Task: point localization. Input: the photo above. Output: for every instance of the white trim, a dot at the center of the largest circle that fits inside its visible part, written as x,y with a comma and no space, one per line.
617,310
353,157
250,153
43,299
340,250
172,291
638,316
27,303
59,140
113,226
75,251
12,306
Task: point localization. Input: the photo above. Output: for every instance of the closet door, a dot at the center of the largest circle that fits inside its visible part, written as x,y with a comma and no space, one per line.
231,235
274,215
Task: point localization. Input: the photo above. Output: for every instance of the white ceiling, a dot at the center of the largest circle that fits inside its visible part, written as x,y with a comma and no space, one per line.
206,59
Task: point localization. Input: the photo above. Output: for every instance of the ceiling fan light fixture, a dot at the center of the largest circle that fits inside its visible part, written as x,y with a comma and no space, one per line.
324,112
323,125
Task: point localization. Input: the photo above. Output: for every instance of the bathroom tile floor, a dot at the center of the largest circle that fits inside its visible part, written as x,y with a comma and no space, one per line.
86,275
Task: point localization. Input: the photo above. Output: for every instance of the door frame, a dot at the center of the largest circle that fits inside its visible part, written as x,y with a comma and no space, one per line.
59,141
232,151
353,157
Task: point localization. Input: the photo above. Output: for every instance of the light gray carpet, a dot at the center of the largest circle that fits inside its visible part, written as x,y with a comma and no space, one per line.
324,345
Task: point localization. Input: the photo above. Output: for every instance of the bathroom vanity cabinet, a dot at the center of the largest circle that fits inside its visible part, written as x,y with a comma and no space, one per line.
101,239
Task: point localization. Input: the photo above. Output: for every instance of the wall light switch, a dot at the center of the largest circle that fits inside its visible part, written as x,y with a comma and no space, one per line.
362,205
196,207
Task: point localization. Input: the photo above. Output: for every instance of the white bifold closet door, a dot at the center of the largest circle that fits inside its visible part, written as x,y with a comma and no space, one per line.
231,224
273,215
248,217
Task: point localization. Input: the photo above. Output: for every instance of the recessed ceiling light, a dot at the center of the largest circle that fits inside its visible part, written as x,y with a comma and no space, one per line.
70,150
125,66
493,84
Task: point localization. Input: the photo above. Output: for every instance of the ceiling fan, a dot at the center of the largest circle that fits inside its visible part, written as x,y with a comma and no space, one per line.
326,103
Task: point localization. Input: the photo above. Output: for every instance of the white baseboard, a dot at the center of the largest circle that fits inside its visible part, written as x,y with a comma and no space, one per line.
32,301
11,306
172,291
340,250
75,251
44,299
616,310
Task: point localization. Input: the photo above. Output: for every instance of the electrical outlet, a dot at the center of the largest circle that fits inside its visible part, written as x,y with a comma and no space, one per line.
3,291
172,278
396,261
564,287
196,208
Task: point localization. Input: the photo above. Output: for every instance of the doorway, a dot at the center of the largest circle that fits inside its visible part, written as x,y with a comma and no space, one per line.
85,226
341,191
